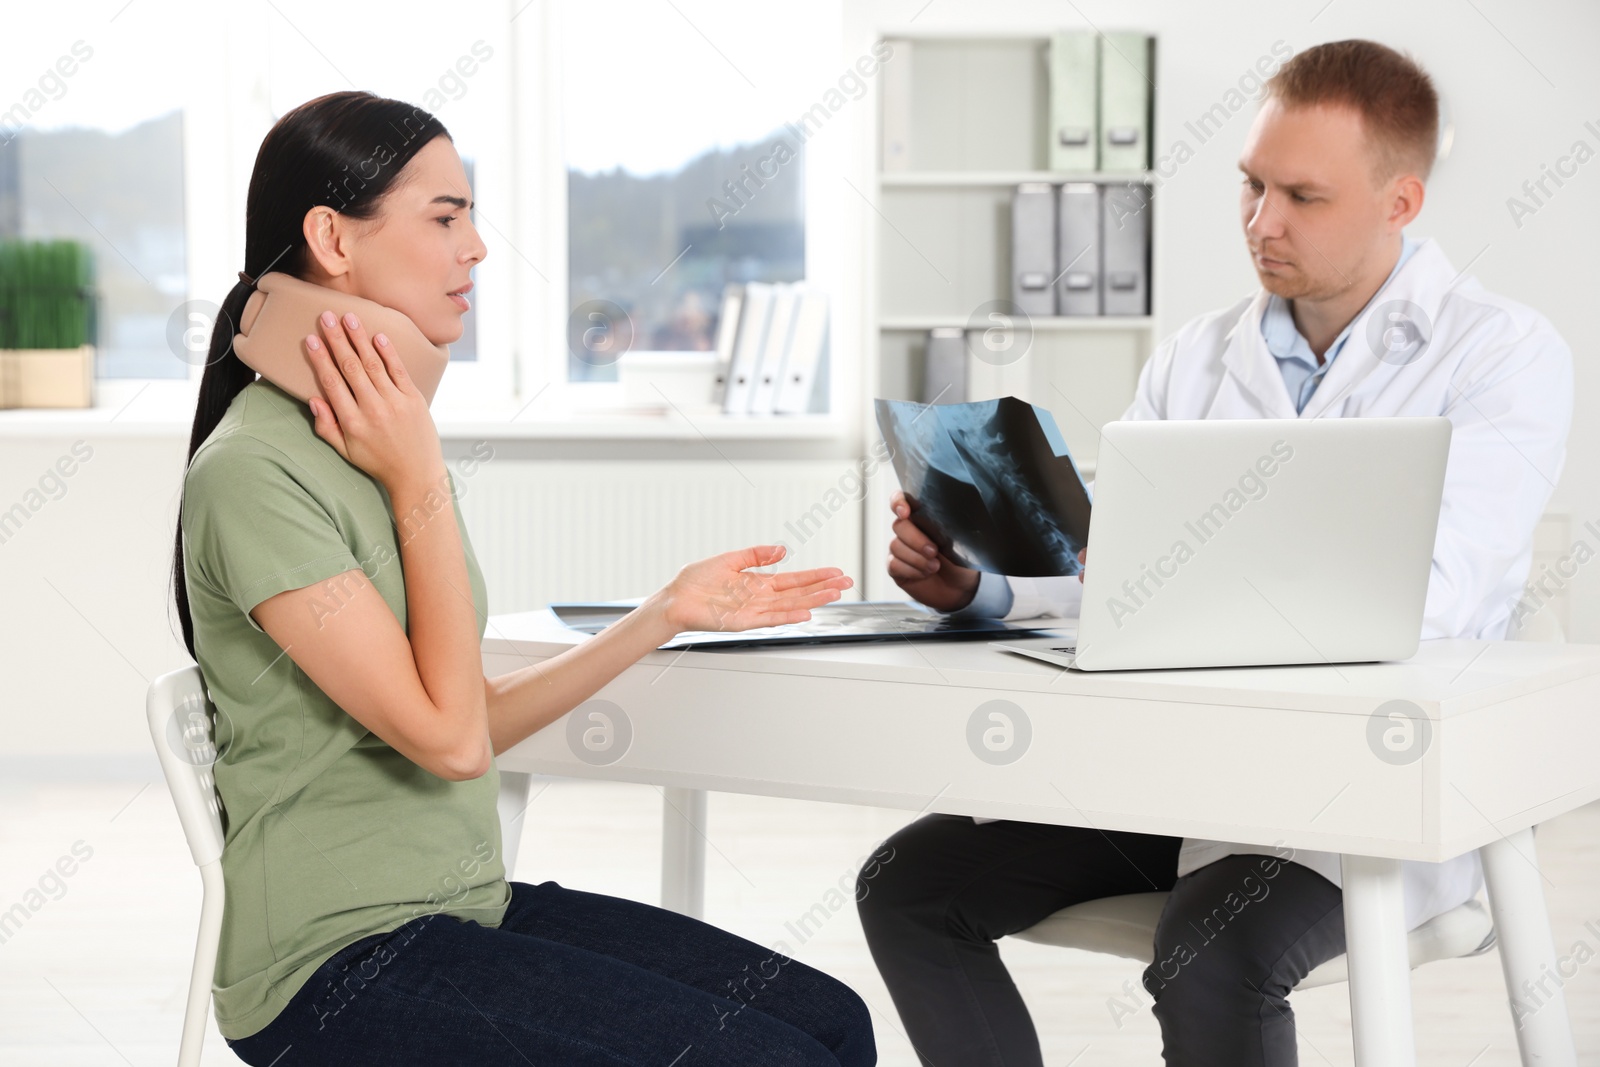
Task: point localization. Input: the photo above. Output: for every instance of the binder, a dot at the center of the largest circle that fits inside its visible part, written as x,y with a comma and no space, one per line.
1125,77
895,79
944,366
1033,253
747,348
727,334
1074,101
808,342
1125,249
1078,249
785,297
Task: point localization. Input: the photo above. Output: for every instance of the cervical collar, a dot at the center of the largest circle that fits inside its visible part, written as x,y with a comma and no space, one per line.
284,310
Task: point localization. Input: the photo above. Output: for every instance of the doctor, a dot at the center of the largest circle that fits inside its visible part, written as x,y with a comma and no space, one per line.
1353,319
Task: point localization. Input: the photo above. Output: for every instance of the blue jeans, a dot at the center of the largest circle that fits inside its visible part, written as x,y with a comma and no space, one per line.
568,978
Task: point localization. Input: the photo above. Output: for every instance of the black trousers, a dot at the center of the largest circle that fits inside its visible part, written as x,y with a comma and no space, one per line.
1235,938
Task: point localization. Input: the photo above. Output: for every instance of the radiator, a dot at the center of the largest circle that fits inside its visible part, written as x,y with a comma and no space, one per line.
600,530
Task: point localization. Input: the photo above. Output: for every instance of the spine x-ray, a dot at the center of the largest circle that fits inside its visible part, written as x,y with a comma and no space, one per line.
991,483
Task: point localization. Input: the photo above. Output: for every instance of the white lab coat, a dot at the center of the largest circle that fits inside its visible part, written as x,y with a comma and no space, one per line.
1502,375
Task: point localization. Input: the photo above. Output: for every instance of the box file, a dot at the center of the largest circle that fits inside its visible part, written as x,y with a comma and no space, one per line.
1077,289
808,345
727,335
1125,79
1033,254
944,366
1074,101
747,348
1125,249
780,327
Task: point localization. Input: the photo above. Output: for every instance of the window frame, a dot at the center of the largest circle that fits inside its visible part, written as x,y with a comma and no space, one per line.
522,357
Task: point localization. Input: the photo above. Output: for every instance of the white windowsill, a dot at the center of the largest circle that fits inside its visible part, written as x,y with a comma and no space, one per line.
129,408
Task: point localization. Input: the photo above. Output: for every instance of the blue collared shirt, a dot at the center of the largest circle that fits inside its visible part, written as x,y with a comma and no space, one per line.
1296,362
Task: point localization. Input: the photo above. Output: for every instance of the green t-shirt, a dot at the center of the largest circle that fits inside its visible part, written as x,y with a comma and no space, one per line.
331,834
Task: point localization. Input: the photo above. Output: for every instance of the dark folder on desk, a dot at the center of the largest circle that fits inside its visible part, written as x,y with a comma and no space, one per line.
859,620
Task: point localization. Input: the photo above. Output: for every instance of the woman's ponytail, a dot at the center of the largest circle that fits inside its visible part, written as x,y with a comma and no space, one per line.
224,377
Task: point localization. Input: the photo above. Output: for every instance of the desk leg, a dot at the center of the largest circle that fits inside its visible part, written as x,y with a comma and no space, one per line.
683,851
512,804
1380,966
1527,952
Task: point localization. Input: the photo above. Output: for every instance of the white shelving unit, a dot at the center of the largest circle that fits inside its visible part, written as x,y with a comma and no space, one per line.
1098,324
941,248
1007,178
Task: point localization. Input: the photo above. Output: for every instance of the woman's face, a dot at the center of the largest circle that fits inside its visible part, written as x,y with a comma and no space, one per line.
415,253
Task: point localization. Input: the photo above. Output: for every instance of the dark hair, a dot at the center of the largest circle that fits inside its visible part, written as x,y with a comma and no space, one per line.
320,153
1394,96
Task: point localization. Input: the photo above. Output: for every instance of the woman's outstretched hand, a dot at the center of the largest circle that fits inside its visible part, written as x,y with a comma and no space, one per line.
723,594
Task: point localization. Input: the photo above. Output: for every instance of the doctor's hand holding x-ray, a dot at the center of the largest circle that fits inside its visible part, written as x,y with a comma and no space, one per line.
927,575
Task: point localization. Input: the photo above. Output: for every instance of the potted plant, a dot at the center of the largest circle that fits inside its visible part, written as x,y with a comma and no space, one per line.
46,300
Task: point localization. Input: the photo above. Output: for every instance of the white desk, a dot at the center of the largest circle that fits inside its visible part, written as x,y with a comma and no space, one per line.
1259,755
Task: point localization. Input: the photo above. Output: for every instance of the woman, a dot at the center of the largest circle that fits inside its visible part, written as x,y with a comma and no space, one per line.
337,623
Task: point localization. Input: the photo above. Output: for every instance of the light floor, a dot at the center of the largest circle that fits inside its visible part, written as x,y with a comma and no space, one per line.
98,975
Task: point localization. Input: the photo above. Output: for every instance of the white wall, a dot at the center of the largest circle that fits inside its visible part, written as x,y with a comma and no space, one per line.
1521,82
83,585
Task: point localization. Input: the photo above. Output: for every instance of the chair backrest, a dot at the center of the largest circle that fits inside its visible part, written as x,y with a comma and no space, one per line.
1541,625
180,714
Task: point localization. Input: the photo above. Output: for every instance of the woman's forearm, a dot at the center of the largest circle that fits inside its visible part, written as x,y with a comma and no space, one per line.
441,618
723,593
531,698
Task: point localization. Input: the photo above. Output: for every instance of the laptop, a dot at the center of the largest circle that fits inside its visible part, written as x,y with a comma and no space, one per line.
1251,542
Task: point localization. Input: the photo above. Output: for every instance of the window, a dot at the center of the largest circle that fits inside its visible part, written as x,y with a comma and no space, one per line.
445,66
148,164
642,168
683,174
105,169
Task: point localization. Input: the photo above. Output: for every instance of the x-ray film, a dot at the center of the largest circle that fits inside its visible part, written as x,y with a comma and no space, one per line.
991,483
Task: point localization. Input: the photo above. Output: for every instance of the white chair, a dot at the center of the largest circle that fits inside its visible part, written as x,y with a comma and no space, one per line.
180,713
1126,925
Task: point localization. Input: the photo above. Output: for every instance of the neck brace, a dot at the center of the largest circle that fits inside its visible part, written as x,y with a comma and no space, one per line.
284,310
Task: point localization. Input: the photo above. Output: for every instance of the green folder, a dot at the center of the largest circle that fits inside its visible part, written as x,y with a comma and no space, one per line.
1074,109
1125,87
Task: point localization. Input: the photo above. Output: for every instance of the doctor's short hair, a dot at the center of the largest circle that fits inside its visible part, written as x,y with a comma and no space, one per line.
1394,96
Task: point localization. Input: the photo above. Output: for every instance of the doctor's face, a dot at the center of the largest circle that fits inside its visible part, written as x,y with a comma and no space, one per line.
1317,218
